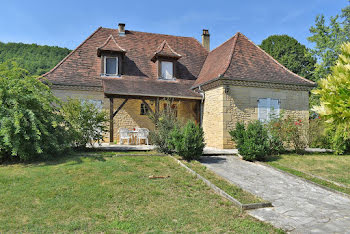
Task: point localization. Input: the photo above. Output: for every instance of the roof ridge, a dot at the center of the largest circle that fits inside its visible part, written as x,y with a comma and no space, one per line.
278,63
72,52
235,38
151,33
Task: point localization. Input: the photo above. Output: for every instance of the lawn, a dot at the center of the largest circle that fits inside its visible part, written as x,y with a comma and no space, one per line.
102,192
330,167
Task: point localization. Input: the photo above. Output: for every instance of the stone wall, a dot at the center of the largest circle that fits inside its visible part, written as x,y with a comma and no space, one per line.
222,111
213,124
129,116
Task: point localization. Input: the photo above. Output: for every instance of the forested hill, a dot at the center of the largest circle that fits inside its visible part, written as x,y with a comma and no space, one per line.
34,58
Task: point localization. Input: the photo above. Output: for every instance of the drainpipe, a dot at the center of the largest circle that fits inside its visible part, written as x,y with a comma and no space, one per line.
201,92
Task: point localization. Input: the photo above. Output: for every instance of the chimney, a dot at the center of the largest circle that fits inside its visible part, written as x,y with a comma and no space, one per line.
121,29
206,39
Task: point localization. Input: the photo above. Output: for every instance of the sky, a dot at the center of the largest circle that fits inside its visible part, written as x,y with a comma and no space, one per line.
67,23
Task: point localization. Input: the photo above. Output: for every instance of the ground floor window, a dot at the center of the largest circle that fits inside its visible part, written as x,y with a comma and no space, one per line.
143,109
268,108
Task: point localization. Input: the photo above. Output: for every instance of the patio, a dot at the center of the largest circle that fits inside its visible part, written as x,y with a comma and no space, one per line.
116,147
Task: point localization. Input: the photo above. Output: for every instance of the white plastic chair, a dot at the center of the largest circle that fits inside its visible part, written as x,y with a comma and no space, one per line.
124,134
142,134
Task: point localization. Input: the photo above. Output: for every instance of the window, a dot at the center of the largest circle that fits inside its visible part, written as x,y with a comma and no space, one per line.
268,108
167,70
111,66
143,109
97,103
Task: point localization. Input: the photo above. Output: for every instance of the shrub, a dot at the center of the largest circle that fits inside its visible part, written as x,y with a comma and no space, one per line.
319,135
293,132
86,122
189,141
274,127
165,123
252,142
30,124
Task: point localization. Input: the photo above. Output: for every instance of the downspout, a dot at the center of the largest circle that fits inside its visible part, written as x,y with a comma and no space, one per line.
201,107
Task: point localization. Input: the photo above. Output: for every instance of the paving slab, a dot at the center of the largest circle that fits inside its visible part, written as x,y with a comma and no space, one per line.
299,206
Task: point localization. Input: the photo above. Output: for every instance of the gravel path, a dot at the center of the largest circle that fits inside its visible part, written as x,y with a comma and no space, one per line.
299,206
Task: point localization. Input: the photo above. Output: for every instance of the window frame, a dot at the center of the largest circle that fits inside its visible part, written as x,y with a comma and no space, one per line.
143,109
160,71
116,66
268,108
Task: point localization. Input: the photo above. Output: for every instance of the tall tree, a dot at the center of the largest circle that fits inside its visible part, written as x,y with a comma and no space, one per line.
289,52
328,39
334,93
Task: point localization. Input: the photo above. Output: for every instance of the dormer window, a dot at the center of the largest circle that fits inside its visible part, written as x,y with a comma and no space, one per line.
166,59
167,70
111,58
111,66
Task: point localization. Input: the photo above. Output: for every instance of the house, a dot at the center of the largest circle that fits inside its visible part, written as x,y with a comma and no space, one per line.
129,73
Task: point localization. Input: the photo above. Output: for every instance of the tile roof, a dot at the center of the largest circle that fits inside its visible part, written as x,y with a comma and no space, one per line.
110,45
82,67
240,59
164,50
141,87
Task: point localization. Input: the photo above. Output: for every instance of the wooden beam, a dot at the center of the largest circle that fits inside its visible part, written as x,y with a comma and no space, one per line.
111,125
157,108
148,107
120,107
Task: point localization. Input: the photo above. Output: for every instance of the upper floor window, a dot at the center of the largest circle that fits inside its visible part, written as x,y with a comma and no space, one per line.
268,108
111,66
167,70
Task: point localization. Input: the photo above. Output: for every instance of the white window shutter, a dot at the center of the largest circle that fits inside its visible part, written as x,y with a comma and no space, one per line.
275,108
167,70
263,109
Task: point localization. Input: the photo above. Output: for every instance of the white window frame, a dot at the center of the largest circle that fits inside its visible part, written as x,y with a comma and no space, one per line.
116,66
269,109
161,70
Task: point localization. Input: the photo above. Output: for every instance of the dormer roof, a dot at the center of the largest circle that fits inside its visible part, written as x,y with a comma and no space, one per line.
110,45
164,50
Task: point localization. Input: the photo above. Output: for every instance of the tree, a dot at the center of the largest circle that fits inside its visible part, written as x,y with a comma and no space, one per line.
328,40
334,95
87,123
30,124
36,59
290,53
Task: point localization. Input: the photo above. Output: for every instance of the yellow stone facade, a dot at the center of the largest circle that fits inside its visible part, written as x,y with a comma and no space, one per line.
129,116
223,110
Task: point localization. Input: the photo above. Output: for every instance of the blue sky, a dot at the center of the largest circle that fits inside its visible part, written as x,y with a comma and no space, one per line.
67,23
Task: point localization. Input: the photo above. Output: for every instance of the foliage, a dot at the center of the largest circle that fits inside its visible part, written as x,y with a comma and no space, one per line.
274,127
328,39
290,53
252,142
36,59
319,135
334,94
188,141
293,133
30,124
87,123
165,124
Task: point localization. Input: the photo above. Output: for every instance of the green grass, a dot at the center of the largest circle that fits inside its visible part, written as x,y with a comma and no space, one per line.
103,193
330,167
233,190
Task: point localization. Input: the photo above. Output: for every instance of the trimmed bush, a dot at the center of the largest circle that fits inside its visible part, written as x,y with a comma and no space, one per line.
86,122
252,142
189,141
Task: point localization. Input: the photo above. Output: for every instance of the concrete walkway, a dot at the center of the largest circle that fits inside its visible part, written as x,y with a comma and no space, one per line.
299,206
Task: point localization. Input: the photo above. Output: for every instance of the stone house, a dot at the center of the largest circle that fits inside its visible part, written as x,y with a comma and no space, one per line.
130,73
